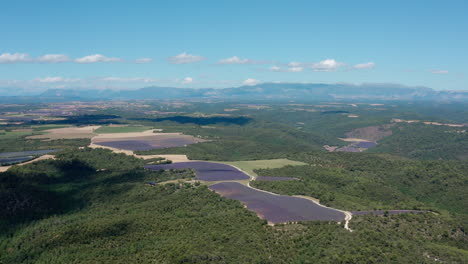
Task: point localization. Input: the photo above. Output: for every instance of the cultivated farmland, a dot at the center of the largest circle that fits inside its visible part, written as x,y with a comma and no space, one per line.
9,158
145,141
206,171
272,207
276,208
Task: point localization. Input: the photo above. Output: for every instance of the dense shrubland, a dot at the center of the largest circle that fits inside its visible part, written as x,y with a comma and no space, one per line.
93,206
362,181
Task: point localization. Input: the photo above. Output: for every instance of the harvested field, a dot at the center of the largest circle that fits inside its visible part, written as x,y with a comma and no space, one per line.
121,129
145,140
173,158
67,133
276,178
390,212
276,208
206,171
127,144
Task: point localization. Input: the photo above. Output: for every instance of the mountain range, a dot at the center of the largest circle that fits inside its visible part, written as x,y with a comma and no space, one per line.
265,91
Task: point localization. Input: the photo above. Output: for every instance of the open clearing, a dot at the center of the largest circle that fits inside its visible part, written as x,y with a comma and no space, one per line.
251,165
370,133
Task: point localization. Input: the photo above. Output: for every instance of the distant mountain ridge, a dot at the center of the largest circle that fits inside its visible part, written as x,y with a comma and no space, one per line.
268,91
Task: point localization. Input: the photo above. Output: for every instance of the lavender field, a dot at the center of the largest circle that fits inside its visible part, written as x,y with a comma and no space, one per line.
276,208
148,142
206,171
9,158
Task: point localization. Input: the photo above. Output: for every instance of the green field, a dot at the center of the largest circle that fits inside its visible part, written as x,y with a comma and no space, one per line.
123,129
14,135
251,165
47,127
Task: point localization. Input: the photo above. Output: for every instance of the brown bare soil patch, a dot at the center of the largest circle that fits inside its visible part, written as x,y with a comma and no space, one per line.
370,133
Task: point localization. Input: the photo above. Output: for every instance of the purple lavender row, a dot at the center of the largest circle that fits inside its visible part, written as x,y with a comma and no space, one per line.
205,171
276,208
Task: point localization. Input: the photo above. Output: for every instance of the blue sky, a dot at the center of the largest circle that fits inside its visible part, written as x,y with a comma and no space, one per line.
131,44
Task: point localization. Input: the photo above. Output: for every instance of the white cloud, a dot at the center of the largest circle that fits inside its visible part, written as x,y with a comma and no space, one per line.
439,71
290,69
143,60
367,65
185,58
96,58
234,60
55,80
53,58
251,81
15,57
327,65
187,80
238,60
